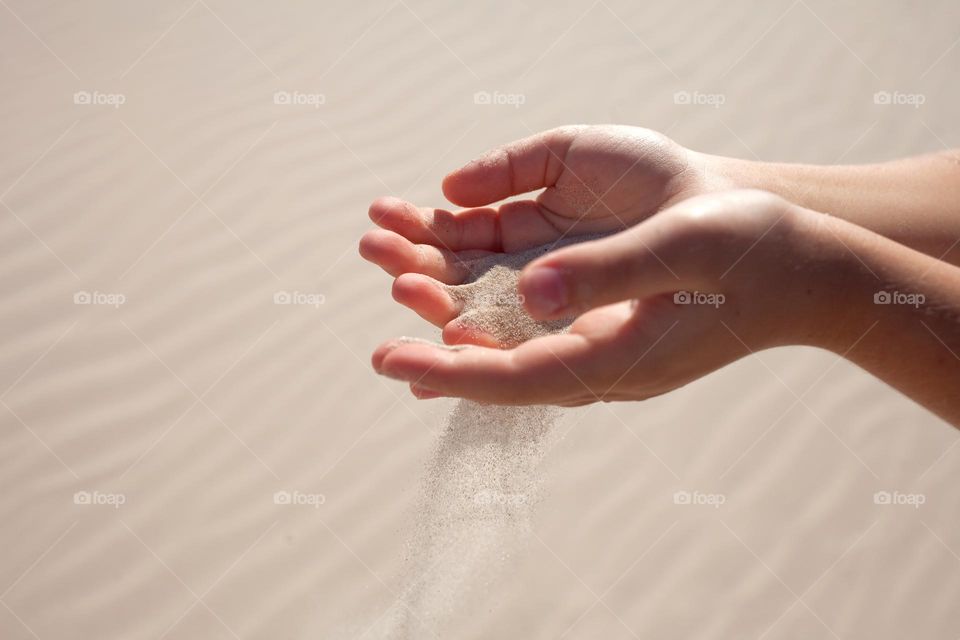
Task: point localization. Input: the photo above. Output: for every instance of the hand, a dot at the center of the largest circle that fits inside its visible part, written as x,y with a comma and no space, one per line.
596,178
752,271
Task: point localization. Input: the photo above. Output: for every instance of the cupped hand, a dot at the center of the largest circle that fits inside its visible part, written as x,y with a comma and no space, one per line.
681,294
594,179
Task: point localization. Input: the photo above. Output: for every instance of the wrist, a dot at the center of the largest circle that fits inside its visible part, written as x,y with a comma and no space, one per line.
809,186
840,280
788,269
823,286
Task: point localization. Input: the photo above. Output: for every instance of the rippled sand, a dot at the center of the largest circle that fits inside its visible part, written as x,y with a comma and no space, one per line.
267,476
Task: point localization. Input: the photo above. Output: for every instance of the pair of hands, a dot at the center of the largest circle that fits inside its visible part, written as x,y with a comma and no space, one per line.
698,275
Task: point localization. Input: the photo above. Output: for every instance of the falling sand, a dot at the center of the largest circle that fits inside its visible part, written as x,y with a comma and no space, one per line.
482,482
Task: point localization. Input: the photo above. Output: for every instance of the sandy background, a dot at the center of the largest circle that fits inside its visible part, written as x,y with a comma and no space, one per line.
194,401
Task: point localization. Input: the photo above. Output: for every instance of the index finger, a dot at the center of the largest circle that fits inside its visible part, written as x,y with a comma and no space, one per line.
532,163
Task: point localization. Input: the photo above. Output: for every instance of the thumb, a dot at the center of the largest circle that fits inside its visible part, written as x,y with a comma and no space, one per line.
637,263
518,167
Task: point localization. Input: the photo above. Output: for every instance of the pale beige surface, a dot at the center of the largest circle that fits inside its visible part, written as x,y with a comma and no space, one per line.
198,398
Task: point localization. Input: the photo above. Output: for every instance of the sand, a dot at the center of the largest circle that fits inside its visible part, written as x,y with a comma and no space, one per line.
101,398
474,516
491,302
475,512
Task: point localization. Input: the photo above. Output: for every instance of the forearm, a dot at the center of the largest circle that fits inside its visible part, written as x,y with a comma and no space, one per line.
896,314
914,201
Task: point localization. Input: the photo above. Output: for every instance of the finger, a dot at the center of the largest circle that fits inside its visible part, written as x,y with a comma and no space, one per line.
518,167
472,229
579,402
432,302
546,370
642,261
459,332
427,297
397,255
513,226
376,359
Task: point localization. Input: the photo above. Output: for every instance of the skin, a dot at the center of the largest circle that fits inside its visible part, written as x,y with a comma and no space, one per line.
787,273
913,201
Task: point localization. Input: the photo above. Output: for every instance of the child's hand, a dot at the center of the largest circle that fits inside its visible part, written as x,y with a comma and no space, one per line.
786,274
596,178
693,288
609,177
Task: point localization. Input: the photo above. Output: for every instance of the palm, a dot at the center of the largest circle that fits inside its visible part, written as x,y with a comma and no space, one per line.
613,177
632,340
594,179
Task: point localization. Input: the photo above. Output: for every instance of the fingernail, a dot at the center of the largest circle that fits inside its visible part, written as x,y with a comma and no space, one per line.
422,393
545,290
390,374
380,354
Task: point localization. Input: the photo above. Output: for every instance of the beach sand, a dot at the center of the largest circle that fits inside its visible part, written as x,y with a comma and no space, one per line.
483,481
193,442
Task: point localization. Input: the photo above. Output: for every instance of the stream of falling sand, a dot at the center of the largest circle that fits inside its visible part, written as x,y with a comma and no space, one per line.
482,483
